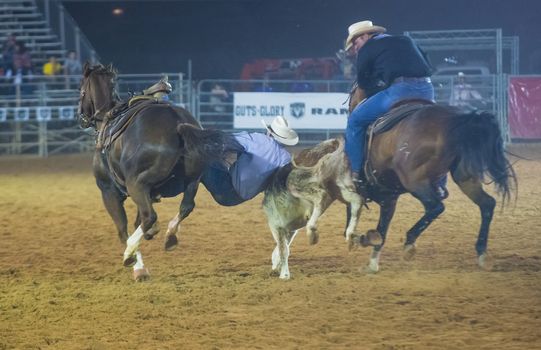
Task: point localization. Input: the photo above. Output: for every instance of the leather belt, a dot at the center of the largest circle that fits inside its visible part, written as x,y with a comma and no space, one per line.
412,79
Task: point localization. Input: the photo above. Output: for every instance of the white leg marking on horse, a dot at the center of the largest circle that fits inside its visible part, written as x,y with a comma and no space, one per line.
133,242
140,272
139,264
172,227
373,264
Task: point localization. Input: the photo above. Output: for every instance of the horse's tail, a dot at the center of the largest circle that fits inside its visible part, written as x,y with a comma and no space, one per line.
481,149
206,146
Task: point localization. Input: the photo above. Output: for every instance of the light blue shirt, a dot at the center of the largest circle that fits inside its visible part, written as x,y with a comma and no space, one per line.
262,156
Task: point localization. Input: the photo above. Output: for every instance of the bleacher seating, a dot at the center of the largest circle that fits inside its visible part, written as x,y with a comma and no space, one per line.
24,19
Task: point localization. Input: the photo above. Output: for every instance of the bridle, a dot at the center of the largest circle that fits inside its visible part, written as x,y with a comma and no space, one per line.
99,114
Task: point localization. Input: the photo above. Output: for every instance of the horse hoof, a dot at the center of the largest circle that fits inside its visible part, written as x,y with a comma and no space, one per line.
130,261
372,270
140,275
374,237
485,262
171,242
148,236
409,252
152,232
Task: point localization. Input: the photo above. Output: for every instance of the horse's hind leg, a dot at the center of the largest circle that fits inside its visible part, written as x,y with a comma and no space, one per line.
433,208
186,207
149,221
474,190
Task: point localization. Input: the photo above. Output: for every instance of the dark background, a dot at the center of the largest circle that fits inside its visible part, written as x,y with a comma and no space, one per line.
219,36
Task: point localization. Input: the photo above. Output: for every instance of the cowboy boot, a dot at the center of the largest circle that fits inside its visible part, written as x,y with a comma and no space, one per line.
361,184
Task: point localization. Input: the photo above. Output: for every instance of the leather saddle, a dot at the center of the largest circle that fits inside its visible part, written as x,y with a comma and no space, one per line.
118,118
398,112
163,86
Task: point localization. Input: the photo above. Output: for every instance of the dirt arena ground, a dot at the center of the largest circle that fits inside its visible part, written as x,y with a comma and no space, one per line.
63,286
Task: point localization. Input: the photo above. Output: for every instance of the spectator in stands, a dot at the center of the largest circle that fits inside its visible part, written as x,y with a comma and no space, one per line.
52,67
8,50
22,62
72,69
464,95
260,156
22,66
390,68
218,96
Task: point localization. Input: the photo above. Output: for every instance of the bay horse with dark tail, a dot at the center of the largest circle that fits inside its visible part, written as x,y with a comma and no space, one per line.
421,149
146,161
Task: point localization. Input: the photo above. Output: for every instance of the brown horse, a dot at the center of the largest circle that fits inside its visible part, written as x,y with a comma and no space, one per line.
147,161
421,149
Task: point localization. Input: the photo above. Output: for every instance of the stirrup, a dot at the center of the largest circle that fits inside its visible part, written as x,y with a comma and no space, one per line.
361,186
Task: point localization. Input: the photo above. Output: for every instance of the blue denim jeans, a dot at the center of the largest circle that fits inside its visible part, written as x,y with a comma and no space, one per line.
375,106
218,182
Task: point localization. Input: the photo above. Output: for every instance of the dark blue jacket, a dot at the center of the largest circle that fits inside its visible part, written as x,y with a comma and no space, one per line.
384,58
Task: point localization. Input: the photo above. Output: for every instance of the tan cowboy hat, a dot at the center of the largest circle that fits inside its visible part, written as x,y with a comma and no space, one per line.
359,28
281,132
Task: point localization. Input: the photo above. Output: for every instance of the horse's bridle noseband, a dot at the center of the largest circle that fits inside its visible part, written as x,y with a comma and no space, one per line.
99,114
84,120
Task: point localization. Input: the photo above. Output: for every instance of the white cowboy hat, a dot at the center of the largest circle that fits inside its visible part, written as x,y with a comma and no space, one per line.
281,132
359,28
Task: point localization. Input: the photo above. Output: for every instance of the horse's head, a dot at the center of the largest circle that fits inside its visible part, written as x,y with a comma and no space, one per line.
97,94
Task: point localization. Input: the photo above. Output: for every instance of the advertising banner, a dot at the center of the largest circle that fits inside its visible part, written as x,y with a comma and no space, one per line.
302,110
525,107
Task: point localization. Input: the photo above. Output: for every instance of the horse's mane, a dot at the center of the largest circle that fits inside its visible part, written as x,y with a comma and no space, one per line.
99,69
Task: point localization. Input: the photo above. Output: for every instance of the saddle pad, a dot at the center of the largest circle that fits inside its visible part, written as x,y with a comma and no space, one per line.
117,126
391,118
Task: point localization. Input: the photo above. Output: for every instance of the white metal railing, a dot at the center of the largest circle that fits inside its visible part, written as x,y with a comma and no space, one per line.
38,116
43,121
220,114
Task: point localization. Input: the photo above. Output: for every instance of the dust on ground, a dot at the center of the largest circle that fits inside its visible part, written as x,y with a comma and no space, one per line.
63,286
